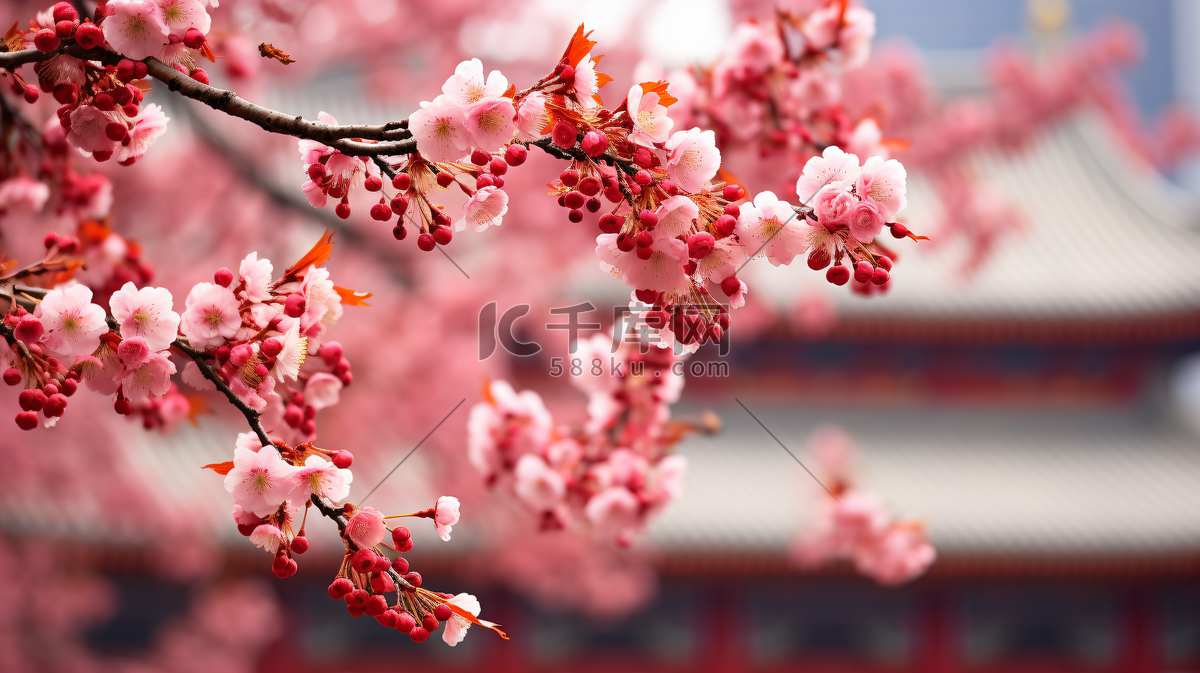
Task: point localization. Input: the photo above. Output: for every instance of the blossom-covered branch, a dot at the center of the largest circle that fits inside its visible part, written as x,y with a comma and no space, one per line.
248,336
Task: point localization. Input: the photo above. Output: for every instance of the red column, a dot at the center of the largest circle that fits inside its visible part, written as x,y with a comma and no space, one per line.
1139,652
937,649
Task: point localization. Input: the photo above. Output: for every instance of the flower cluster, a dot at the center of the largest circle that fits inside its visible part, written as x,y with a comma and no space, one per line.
101,105
610,477
855,525
267,485
674,229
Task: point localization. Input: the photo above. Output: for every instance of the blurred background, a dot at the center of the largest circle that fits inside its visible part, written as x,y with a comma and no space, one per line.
1028,390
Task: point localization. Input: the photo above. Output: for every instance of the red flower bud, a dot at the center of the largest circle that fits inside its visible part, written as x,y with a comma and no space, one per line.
563,134
419,634
515,155
342,459
294,307
405,623
193,39
595,143
64,11
89,36
701,245
402,181
223,277
27,420
730,286
46,40
838,275
299,545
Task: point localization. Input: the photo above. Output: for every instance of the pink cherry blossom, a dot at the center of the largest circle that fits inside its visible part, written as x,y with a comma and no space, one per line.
586,83
456,626
260,481
532,117
834,168
21,194
87,130
854,39
486,207
676,215
135,28
149,124
650,121
770,227
867,140
816,89
292,357
323,478
724,261
191,376
73,323
866,221
692,159
145,313
445,515
491,123
322,303
510,426
440,130
467,87
537,484
102,371
833,206
322,390
366,528
613,511
211,316
662,272
257,398
256,274
150,378
134,352
900,554
668,482
268,538
820,28
884,183
179,15
754,48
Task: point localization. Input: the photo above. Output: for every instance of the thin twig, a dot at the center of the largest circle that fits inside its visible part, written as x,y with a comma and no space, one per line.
252,416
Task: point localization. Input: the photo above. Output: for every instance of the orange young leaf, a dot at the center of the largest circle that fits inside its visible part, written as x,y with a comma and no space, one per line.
14,39
207,52
197,406
895,143
512,91
69,272
660,87
315,257
351,297
268,50
219,468
468,616
578,47
918,238
487,391
93,232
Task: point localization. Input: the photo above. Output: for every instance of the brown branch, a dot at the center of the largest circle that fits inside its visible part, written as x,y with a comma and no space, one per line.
393,137
335,513
252,416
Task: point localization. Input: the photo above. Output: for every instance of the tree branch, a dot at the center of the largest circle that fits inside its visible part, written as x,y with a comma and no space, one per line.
251,415
393,137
